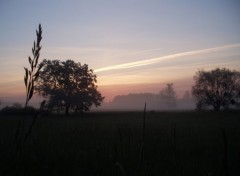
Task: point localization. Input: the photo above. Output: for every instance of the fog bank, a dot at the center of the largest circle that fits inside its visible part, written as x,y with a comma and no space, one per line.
136,101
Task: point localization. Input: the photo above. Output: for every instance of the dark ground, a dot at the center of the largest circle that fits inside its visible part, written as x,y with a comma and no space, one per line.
111,143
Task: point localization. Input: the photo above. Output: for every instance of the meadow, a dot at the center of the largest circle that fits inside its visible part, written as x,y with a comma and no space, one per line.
115,143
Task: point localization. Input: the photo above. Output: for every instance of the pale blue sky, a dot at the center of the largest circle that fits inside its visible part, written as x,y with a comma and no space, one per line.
108,34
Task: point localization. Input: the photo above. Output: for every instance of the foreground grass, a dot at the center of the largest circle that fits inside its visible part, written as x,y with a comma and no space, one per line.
175,143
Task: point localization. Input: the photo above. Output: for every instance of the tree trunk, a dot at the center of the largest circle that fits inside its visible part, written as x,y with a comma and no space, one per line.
67,110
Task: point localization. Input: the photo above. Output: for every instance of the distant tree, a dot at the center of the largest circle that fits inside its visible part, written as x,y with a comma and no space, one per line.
216,88
168,96
68,85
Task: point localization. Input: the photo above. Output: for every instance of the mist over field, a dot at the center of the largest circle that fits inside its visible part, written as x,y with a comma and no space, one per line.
118,96
128,102
136,102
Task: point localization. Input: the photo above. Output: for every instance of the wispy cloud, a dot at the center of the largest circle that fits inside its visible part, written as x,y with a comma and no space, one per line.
159,59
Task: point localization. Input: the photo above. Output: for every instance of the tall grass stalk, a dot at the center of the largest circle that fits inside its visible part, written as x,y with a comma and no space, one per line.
143,136
173,132
225,157
30,77
120,169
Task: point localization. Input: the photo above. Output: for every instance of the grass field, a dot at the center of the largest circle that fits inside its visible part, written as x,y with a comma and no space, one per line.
112,143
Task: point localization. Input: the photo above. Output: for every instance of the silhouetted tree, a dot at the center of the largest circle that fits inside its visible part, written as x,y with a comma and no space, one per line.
168,96
216,88
68,85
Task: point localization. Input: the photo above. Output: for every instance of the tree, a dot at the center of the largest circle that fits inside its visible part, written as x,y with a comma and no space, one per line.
216,88
68,85
168,96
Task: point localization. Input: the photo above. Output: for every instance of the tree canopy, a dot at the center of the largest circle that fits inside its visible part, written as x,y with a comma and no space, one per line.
218,88
68,85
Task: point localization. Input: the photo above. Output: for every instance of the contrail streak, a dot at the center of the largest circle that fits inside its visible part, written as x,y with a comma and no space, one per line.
158,59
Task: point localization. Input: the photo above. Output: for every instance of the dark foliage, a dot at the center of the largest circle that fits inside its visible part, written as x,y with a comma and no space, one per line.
217,88
68,86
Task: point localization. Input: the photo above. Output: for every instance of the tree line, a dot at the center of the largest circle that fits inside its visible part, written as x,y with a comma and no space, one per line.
71,86
165,99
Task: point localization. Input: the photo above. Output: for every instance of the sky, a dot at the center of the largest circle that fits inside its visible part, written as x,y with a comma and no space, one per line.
132,45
